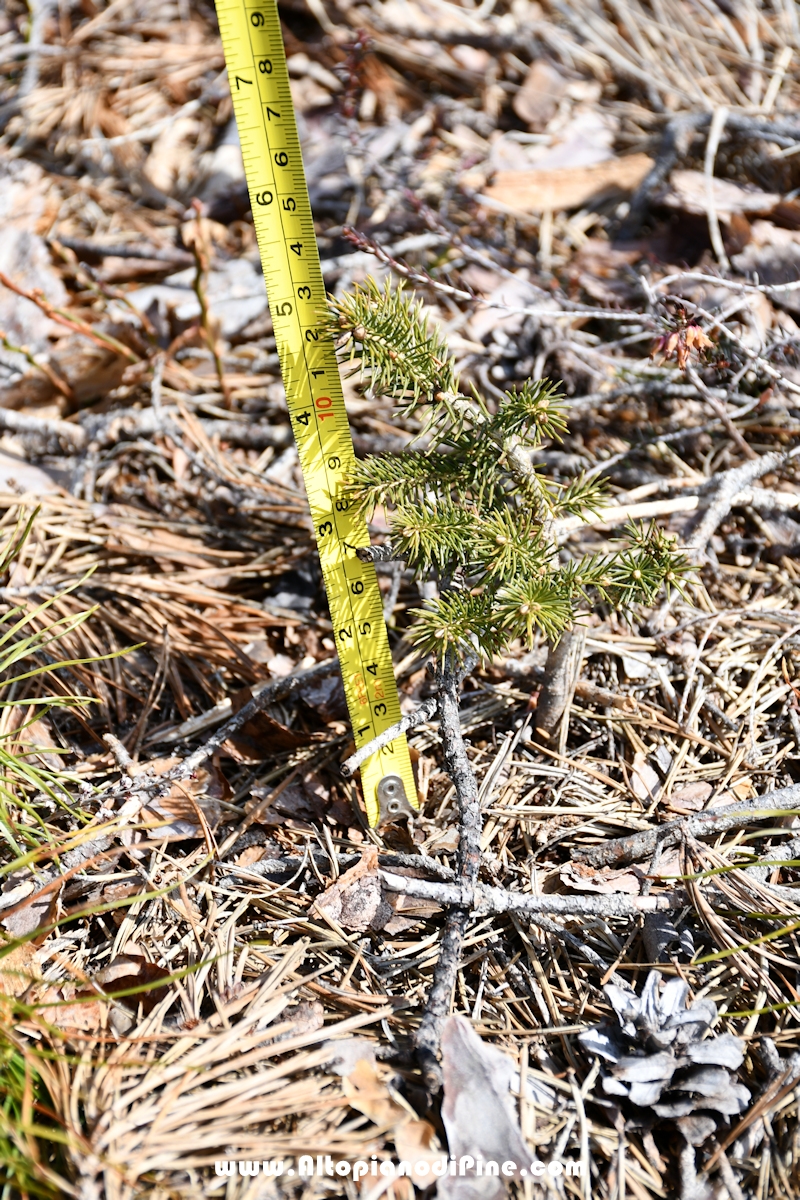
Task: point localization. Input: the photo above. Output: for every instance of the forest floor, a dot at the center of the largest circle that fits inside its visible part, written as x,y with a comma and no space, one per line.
605,195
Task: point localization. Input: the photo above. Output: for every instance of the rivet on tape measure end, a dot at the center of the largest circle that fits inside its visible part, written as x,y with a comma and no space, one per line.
392,800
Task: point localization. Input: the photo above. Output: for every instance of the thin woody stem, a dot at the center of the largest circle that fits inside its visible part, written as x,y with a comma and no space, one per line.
201,251
481,900
560,676
279,690
459,769
404,725
378,554
512,448
56,314
641,845
45,368
726,487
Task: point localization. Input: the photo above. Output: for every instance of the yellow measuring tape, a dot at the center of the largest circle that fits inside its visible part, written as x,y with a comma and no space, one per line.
262,101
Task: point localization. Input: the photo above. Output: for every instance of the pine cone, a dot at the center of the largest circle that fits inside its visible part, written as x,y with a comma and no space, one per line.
658,1059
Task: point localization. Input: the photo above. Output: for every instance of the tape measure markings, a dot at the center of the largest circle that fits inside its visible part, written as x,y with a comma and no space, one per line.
284,227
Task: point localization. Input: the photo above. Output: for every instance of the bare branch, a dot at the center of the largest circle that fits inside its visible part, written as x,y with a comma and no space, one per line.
560,677
418,717
725,487
638,846
459,769
43,426
481,900
378,554
278,690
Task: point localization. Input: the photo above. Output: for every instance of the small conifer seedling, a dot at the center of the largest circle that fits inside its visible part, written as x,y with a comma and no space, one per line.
468,505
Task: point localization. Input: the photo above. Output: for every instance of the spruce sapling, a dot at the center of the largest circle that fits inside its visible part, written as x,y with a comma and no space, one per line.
468,505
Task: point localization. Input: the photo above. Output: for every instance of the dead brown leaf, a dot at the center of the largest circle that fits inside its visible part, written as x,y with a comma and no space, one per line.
191,806
34,735
537,100
416,1142
688,191
25,917
88,369
295,805
567,187
261,736
306,1017
773,255
583,878
690,798
126,972
356,900
19,967
645,783
414,1139
367,1094
61,1008
477,1110
20,476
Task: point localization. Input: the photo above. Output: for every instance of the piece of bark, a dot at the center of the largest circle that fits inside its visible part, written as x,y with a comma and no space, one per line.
560,677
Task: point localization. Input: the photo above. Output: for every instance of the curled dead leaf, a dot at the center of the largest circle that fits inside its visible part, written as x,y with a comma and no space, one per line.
537,100
688,191
583,878
26,909
562,188
355,901
134,974
34,738
261,736
347,1052
367,1093
295,806
690,798
61,1008
414,1139
306,1017
191,805
19,968
477,1111
645,783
